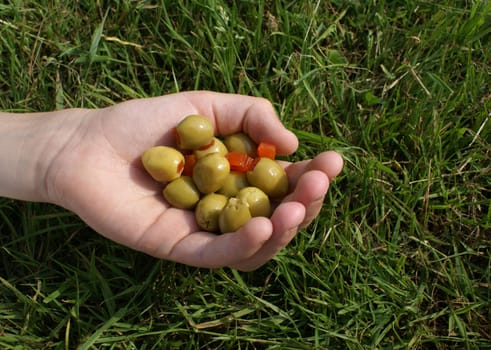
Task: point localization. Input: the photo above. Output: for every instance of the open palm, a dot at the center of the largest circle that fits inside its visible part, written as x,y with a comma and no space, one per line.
98,175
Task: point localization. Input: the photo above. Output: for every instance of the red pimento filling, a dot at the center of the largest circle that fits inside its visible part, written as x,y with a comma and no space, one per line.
189,162
176,135
241,162
266,150
202,148
180,167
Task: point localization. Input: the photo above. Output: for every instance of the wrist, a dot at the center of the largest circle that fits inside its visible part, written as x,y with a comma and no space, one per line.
28,145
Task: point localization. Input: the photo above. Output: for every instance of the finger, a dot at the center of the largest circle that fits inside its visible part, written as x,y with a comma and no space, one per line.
307,200
310,191
330,162
209,250
286,219
253,115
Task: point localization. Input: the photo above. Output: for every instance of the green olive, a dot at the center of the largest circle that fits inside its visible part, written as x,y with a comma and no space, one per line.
257,201
163,163
216,146
241,142
210,172
194,131
182,193
270,177
208,210
234,215
233,183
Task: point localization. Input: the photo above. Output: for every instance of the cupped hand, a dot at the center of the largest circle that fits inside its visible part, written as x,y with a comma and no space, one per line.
98,175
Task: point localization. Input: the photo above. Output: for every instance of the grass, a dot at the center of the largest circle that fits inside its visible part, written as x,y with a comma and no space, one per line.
400,256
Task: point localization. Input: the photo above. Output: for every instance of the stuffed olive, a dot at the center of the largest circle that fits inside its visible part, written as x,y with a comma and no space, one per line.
163,163
216,146
210,172
182,193
257,201
194,131
208,210
242,143
234,215
270,177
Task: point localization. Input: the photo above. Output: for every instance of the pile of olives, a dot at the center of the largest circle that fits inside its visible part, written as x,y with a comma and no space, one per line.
225,180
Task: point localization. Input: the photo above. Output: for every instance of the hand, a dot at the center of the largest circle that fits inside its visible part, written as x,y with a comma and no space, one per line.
97,174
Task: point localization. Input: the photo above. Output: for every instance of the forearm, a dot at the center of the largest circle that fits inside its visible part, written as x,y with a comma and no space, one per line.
28,144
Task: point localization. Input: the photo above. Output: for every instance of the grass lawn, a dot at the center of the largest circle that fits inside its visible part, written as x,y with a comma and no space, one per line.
400,257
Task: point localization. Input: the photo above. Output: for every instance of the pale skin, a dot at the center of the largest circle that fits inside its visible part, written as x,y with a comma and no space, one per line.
88,161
